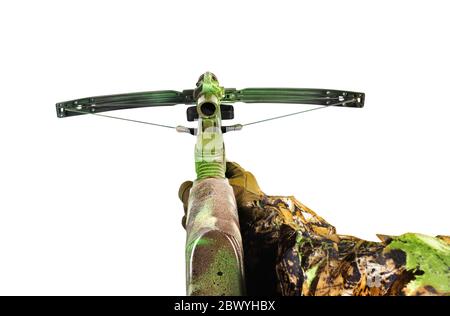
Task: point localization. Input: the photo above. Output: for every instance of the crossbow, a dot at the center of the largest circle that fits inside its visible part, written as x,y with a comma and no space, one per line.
214,256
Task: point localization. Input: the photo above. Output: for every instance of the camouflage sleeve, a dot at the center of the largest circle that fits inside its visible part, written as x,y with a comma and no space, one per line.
290,250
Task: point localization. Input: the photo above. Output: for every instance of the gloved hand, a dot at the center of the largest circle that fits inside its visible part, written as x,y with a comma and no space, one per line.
245,187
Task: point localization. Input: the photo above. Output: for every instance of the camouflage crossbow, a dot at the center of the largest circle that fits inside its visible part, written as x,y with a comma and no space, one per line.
214,256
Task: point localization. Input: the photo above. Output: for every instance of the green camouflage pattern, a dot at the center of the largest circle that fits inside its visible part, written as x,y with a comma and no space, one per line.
209,149
214,262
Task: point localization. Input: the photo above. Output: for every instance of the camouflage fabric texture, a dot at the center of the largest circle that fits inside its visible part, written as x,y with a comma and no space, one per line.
290,250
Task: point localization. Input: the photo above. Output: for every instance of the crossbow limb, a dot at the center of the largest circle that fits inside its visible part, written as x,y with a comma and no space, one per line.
98,104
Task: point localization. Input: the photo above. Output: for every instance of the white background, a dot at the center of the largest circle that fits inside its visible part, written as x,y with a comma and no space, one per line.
89,205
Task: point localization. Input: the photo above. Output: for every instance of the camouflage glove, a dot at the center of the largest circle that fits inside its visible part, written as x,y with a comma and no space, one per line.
245,187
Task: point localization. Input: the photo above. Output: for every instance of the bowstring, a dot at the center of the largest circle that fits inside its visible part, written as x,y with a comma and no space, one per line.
121,118
246,124
299,112
283,116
